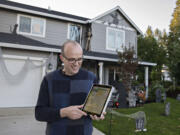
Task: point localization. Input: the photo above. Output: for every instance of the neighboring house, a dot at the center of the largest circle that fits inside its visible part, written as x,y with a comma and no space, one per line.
31,34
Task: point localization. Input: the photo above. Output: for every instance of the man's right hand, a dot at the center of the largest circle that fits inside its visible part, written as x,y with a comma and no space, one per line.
72,112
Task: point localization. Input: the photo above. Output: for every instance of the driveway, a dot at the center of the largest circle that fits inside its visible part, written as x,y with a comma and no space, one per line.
21,121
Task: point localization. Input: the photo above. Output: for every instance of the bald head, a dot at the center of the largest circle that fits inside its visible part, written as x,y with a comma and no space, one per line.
69,45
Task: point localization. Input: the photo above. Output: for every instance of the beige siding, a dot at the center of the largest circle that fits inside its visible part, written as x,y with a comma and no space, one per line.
56,30
7,20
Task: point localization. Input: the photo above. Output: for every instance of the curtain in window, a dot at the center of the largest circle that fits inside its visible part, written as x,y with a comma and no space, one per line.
111,39
115,39
75,33
37,26
25,24
119,40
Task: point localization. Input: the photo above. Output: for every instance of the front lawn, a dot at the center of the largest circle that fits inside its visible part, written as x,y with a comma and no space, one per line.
157,122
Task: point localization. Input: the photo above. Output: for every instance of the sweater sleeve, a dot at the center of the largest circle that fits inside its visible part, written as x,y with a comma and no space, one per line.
43,110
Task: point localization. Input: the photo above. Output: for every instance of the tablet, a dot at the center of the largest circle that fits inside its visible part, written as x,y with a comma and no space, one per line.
97,99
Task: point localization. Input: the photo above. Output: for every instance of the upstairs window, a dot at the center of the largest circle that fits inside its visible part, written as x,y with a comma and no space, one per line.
115,39
31,25
74,32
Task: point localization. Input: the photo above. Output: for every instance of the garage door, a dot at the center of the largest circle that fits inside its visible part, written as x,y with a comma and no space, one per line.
24,92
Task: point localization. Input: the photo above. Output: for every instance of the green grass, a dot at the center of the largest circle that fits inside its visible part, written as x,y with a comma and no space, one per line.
157,122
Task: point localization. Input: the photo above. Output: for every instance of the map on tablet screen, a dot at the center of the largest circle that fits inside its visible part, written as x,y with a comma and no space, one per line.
97,99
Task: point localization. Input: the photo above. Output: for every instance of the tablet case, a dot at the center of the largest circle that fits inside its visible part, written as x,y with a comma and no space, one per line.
97,99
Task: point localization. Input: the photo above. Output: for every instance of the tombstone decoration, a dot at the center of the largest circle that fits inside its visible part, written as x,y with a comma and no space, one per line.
178,97
140,119
132,98
140,123
167,109
158,96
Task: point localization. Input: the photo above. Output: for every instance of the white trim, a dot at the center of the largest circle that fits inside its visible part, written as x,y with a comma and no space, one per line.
116,30
28,47
116,60
121,11
147,63
115,26
42,14
31,17
21,57
69,30
99,58
44,69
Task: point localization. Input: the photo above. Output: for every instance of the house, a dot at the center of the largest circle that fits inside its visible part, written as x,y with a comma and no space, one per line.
31,39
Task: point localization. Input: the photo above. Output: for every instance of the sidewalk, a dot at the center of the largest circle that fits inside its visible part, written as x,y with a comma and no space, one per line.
20,121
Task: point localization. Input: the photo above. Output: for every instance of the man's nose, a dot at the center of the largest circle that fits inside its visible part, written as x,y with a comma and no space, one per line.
76,62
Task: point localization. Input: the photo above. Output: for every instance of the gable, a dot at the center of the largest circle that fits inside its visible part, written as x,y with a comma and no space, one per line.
115,18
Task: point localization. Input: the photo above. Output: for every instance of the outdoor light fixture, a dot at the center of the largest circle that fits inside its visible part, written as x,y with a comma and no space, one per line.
50,66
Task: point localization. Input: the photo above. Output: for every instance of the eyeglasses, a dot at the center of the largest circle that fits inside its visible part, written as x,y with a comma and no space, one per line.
73,60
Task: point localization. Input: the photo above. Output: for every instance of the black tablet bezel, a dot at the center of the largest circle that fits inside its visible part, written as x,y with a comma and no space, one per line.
96,85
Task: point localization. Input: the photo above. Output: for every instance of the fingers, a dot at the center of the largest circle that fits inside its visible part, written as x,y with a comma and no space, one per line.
102,117
72,112
79,106
94,117
80,111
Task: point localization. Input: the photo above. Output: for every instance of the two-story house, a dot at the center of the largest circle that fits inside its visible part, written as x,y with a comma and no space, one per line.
31,39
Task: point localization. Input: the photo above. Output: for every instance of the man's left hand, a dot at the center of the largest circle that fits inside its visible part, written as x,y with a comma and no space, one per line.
94,117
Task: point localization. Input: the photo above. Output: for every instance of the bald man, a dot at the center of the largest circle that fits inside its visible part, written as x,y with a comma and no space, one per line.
62,94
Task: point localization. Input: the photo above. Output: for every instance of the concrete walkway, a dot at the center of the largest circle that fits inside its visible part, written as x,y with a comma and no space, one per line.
21,121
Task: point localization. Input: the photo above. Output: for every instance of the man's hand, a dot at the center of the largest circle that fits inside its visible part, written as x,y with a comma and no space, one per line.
72,112
94,117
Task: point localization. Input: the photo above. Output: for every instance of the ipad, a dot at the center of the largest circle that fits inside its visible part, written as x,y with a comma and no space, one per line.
97,99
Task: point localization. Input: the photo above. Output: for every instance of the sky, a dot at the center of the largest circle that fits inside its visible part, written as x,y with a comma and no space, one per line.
144,13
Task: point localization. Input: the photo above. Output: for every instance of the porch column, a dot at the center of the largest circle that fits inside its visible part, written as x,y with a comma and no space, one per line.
100,72
106,75
114,74
146,80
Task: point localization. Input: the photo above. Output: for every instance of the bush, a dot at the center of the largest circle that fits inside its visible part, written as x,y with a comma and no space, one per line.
151,95
152,90
167,84
173,93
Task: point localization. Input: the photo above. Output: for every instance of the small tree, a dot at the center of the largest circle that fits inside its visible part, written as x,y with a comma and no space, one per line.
127,66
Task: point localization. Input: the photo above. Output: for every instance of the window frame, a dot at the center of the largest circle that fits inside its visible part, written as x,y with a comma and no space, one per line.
107,34
68,33
31,33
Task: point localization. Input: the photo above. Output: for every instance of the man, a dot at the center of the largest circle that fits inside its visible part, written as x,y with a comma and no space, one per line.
62,94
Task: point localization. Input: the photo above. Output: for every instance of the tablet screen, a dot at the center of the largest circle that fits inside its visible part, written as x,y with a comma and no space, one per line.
97,99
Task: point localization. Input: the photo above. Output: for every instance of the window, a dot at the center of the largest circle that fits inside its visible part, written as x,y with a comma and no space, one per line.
31,25
74,32
115,39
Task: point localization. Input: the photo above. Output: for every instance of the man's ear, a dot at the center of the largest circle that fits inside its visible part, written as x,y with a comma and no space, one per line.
61,57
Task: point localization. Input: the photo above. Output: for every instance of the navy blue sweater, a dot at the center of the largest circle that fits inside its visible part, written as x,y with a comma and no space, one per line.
58,91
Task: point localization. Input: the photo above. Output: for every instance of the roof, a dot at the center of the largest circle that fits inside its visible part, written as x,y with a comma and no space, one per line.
60,15
123,13
41,11
19,41
110,57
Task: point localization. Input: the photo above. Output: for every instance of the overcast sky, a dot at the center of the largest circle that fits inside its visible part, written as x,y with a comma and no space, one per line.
156,13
